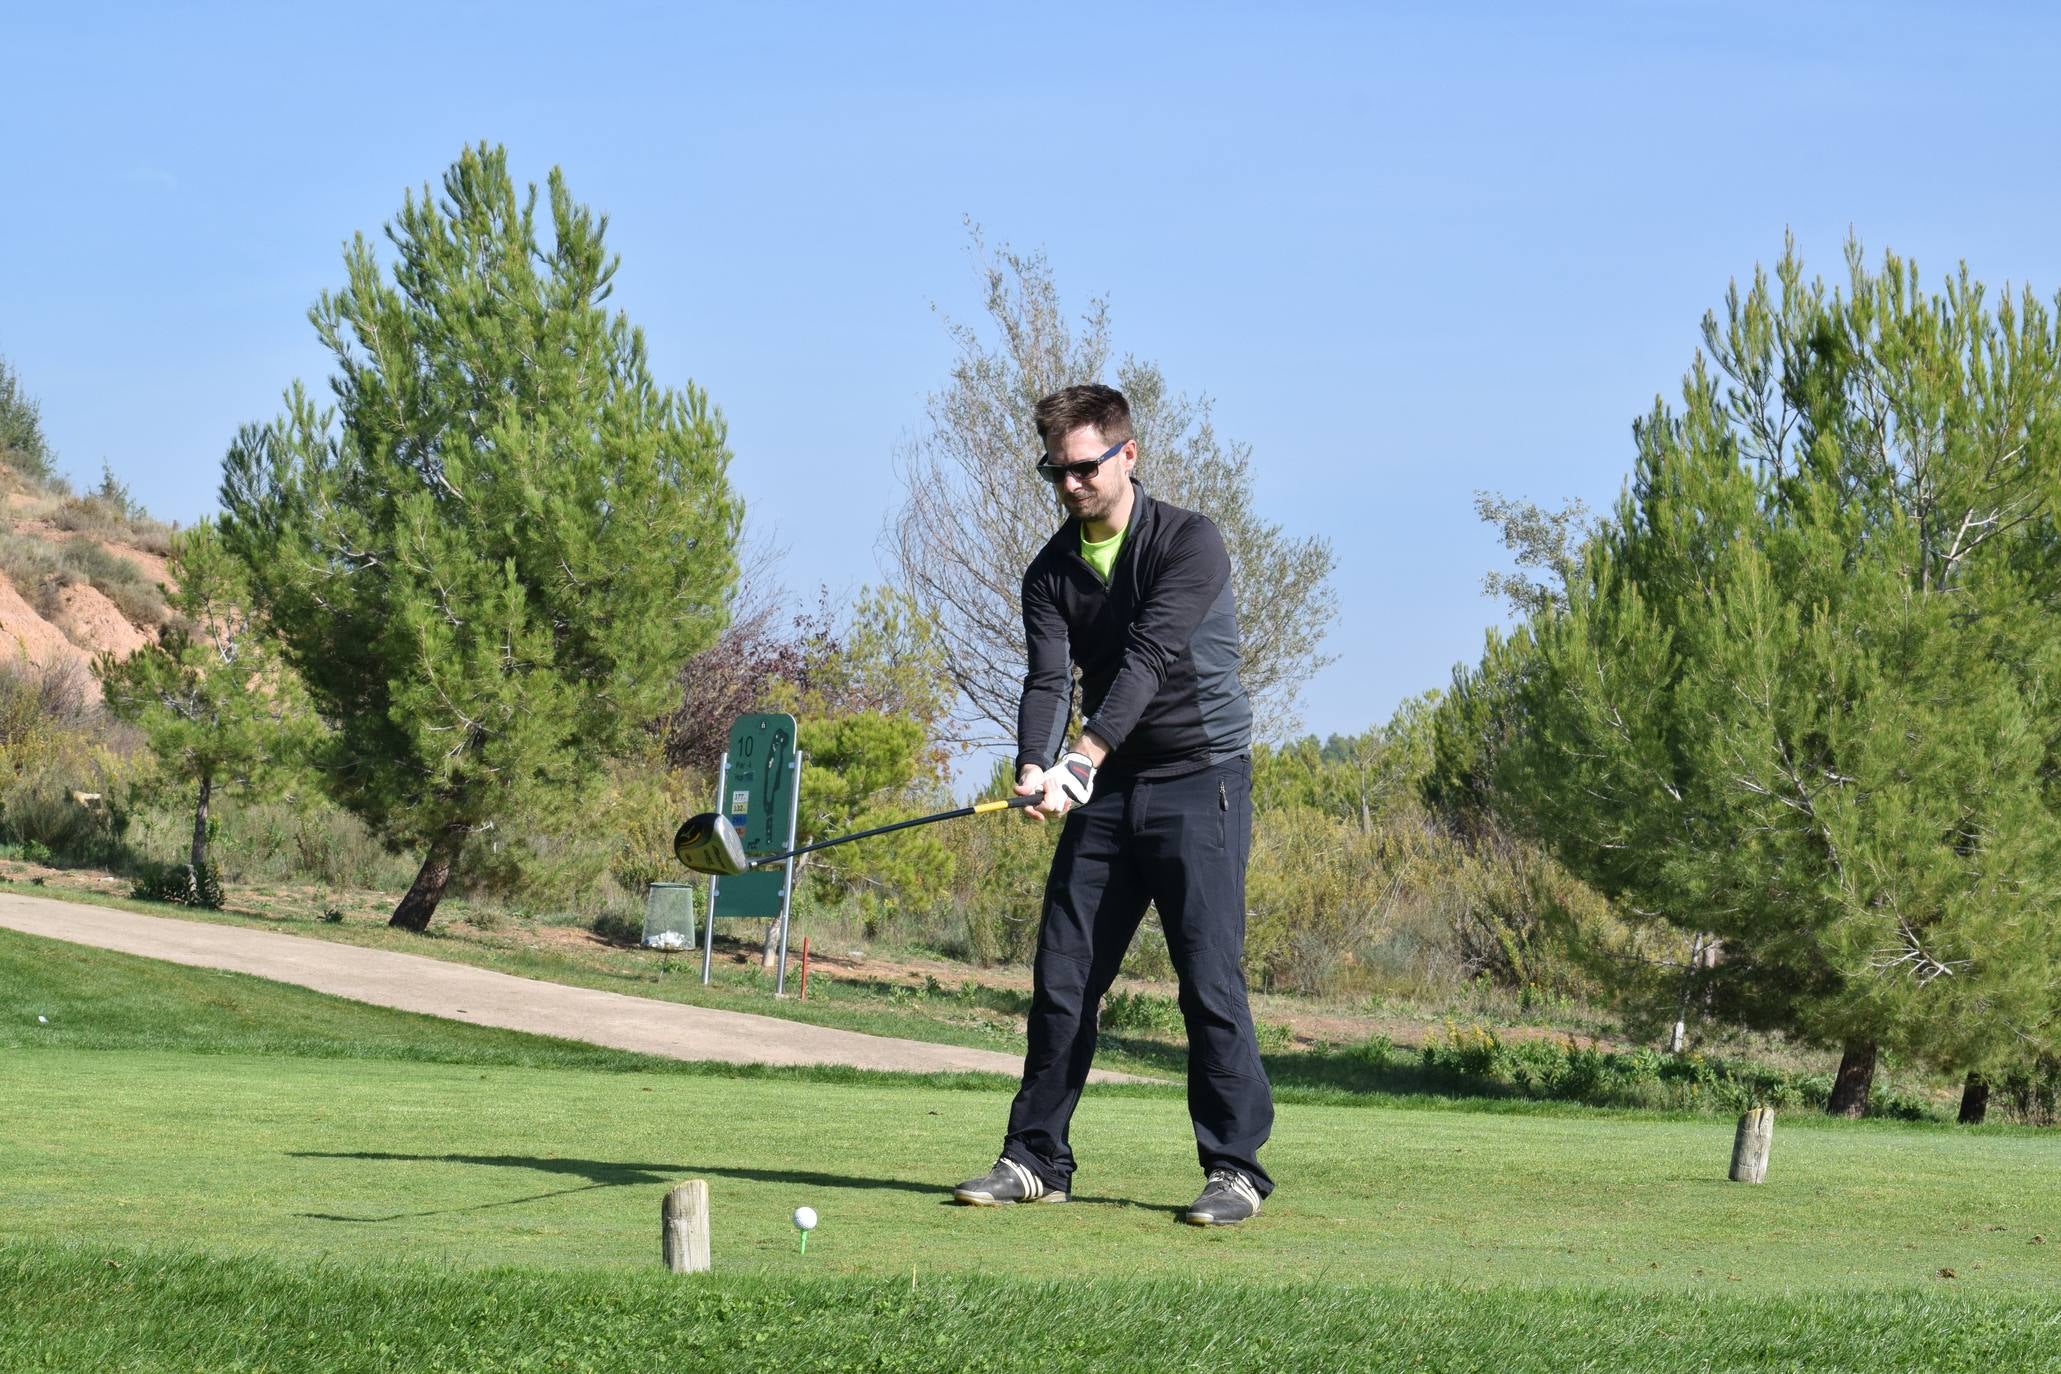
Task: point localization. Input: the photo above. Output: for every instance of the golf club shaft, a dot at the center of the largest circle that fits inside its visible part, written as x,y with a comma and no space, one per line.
977,809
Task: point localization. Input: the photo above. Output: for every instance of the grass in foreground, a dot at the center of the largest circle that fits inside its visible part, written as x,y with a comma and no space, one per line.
201,1194
470,1166
76,1309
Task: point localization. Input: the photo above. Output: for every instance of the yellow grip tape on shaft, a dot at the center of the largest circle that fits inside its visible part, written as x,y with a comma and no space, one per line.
982,808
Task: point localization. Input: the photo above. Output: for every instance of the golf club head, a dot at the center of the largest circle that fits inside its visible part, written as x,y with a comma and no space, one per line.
708,843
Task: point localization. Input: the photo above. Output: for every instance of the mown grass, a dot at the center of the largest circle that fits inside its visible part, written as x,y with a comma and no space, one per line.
470,1165
246,1116
211,1172
78,1308
98,1000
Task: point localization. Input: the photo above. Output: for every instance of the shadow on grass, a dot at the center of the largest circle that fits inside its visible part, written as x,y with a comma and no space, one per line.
610,1174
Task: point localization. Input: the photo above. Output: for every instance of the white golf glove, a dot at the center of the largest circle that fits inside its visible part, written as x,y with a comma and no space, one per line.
1076,779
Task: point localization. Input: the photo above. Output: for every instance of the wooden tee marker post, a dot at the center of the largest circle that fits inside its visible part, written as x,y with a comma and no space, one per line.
683,1230
1750,1147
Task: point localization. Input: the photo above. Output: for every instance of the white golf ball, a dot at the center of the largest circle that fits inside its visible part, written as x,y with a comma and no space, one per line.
42,1020
805,1218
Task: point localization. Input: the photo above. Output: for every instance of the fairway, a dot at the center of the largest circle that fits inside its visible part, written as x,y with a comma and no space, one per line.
340,1160
485,1198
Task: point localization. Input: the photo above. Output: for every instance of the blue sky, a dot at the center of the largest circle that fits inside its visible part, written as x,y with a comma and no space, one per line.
1410,250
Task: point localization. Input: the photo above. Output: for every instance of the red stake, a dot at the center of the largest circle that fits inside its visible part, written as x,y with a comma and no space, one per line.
805,969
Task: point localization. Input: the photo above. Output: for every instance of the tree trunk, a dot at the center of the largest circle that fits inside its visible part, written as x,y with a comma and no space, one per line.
428,888
1856,1077
200,827
1974,1100
1678,1039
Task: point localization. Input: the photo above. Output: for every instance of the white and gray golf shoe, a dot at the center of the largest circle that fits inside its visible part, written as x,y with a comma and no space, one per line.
1005,1184
1227,1199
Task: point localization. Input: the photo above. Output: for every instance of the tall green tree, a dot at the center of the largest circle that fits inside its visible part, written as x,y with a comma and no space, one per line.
976,512
489,558
1802,695
211,695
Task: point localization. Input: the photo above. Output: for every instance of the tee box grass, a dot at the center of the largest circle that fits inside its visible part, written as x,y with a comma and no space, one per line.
192,1148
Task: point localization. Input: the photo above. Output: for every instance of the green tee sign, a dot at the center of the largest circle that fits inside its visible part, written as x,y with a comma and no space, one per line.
759,779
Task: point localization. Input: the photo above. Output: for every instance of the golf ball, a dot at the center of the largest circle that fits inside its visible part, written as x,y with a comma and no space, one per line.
805,1218
42,1020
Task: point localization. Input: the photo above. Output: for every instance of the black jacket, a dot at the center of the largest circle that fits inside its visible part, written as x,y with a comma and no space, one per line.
1157,647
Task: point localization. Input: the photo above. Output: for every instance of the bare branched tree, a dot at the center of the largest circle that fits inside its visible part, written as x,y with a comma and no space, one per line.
976,512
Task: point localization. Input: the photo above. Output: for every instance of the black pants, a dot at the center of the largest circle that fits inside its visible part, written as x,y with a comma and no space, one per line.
1180,843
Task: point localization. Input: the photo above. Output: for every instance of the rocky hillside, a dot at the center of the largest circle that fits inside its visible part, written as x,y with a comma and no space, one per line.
79,574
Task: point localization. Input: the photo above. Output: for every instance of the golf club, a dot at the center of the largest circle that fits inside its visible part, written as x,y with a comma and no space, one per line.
709,843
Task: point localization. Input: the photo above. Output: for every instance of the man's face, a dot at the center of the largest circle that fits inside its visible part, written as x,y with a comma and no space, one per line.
1096,497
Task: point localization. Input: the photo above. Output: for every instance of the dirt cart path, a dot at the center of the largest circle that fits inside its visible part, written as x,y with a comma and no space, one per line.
411,982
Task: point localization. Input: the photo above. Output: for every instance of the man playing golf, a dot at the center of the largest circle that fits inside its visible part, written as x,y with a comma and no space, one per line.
1157,795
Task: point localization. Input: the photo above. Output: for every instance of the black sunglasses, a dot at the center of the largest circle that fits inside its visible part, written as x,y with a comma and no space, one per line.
1054,472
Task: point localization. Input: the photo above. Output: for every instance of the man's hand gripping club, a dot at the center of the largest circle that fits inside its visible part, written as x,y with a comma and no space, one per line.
1065,785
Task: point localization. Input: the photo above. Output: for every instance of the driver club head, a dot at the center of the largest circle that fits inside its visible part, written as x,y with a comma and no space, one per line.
708,843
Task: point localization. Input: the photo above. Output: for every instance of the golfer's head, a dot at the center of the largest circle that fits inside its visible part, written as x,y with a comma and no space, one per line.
1089,450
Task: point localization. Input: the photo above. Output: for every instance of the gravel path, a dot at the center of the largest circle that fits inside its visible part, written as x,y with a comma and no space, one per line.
411,982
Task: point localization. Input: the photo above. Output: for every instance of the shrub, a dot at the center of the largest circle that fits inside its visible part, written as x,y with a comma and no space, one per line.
59,774
1375,1051
140,600
110,512
1274,1036
30,564
1319,887
1568,1071
1149,1012
88,515
180,884
1463,1051
619,926
2032,1097
43,809
1513,904
998,885
299,838
41,569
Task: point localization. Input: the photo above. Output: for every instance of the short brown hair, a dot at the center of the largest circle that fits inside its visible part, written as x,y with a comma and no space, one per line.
1103,407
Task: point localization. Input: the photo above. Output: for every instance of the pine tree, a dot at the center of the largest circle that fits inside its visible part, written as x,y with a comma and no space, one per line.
489,559
211,696
1802,694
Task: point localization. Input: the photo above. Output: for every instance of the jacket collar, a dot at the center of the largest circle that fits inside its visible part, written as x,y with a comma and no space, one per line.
1142,504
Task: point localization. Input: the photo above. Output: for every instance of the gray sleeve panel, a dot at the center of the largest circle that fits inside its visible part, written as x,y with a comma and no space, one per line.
1047,701
1192,576
1220,695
